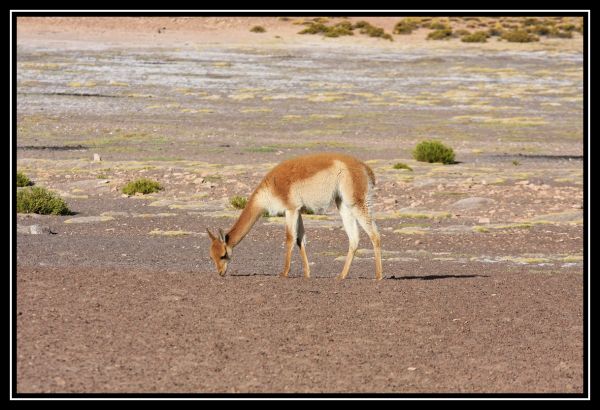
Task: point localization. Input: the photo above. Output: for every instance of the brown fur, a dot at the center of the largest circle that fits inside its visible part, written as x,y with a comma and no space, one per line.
280,178
275,192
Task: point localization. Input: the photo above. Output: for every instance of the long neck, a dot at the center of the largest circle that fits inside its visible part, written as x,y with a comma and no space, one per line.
246,220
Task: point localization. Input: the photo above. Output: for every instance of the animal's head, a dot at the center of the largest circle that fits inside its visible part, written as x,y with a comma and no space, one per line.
220,253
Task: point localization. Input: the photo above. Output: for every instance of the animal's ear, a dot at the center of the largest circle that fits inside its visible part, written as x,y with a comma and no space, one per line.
222,235
210,235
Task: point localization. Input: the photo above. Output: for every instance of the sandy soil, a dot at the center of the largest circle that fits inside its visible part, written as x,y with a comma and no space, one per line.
480,295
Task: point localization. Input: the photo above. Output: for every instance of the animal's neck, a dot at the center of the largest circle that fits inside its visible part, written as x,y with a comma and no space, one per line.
246,220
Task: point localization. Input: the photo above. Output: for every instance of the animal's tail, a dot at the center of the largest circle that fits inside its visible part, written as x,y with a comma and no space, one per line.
370,173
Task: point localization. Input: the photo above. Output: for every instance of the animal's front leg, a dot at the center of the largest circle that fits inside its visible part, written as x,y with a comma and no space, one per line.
289,245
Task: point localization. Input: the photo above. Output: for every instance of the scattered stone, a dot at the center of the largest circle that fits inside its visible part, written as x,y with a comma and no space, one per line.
89,219
418,242
34,230
114,213
472,203
484,220
97,158
525,182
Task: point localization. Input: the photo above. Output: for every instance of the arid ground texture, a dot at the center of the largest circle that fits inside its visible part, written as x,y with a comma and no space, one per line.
482,259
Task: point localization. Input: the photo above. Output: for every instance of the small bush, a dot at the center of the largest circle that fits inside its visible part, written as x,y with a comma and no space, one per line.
519,36
258,29
238,202
143,186
38,200
401,165
406,26
477,37
444,34
433,151
341,29
372,31
23,180
314,28
307,211
462,32
439,25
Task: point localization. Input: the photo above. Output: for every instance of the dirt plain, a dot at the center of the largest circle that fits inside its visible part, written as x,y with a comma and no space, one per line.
483,259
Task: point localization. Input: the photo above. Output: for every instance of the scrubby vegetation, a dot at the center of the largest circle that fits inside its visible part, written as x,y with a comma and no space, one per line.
258,29
143,186
401,165
433,151
477,37
238,202
39,200
345,28
519,36
512,29
23,180
441,34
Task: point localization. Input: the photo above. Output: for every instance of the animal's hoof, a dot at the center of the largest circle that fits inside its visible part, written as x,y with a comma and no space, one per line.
283,274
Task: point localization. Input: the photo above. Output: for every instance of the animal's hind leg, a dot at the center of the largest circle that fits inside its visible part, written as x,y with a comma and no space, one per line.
351,228
364,217
301,241
291,220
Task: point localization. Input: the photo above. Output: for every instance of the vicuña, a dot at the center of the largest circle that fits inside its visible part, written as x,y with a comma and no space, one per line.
315,182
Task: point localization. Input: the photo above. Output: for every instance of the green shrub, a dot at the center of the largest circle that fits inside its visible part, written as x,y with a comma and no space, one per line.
345,28
433,151
401,165
314,28
238,202
406,26
439,25
23,180
143,186
39,200
372,31
461,32
444,34
341,29
519,36
258,29
477,37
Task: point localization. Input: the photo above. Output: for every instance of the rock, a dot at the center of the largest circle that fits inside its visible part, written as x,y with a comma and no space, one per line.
525,182
472,203
484,220
97,158
34,229
418,242
198,181
89,219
